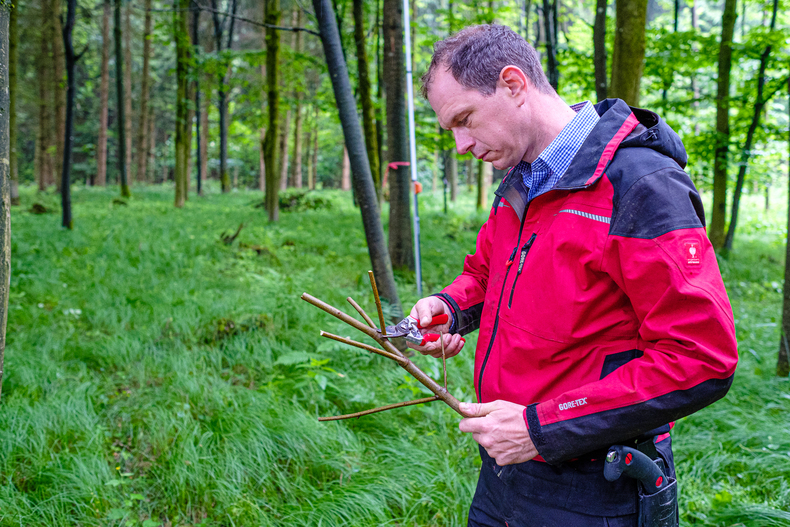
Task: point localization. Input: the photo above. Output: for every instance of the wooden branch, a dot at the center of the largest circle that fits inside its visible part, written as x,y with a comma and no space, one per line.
360,345
378,302
379,409
361,312
407,365
444,360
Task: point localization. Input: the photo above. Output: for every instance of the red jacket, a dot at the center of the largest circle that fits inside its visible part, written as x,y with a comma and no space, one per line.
600,303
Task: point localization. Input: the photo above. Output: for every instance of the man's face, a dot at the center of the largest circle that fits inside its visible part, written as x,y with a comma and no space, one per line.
487,126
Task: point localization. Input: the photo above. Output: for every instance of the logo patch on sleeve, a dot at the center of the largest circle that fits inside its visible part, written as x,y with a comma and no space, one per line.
692,252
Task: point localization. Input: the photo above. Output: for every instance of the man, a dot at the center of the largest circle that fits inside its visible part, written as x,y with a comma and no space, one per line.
602,314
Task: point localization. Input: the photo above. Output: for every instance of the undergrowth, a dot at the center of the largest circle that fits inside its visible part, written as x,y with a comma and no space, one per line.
155,375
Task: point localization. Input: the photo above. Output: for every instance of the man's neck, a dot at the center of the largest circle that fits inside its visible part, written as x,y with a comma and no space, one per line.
550,116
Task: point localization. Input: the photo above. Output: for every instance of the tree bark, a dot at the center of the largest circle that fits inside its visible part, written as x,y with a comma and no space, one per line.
599,49
313,177
296,166
150,165
308,142
104,96
59,88
127,60
746,152
401,245
345,171
181,35
365,94
451,172
204,141
195,12
262,161
222,106
783,358
485,173
142,129
121,96
284,150
628,56
13,169
71,62
272,17
362,179
5,206
43,159
716,229
550,25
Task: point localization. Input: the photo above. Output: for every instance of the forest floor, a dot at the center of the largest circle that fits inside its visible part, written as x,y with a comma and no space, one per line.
156,376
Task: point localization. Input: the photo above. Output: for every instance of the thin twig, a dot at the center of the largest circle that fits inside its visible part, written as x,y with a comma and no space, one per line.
379,409
378,303
361,312
360,345
444,360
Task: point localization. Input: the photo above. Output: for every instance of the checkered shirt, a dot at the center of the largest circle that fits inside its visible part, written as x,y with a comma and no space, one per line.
541,175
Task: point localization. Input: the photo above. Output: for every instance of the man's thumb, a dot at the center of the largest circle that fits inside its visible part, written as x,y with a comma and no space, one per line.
476,409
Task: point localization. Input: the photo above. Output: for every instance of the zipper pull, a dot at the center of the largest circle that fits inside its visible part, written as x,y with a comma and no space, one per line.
512,256
524,251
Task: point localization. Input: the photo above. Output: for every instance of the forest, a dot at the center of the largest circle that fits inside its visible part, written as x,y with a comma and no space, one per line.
179,172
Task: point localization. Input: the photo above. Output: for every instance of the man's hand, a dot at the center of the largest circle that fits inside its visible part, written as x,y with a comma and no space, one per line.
499,427
424,310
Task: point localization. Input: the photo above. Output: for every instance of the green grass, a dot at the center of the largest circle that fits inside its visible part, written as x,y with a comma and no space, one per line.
155,376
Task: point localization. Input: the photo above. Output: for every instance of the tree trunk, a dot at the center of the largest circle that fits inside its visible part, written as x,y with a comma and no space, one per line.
401,244
262,162
628,56
204,141
599,49
121,96
272,17
345,172
13,42
59,88
451,172
365,94
485,175
313,177
223,77
104,96
150,165
783,360
470,177
181,35
362,179
746,152
127,86
296,166
549,23
308,155
71,61
716,229
142,129
193,8
5,208
43,159
284,150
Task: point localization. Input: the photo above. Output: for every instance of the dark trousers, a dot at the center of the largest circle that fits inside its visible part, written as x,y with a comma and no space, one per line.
574,494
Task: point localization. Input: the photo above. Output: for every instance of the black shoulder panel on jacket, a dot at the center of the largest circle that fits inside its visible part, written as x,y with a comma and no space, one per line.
652,195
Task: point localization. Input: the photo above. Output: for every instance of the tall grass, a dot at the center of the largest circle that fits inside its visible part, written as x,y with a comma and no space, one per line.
156,376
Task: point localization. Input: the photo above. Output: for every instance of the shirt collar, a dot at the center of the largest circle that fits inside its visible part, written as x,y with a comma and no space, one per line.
561,151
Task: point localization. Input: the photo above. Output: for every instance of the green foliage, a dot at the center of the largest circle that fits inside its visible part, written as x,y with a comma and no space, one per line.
299,200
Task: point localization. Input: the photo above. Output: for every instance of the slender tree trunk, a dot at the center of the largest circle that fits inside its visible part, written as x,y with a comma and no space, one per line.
5,206
451,172
13,42
783,359
550,26
746,152
262,161
284,150
308,142
695,49
121,96
599,49
151,164
401,245
127,59
222,91
142,140
272,17
628,56
470,178
104,96
345,172
71,62
365,94
485,175
59,88
204,141
181,35
716,229
362,179
296,166
313,177
44,67
196,89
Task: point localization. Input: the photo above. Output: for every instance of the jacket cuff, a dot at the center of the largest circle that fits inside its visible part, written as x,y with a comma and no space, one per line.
534,428
448,300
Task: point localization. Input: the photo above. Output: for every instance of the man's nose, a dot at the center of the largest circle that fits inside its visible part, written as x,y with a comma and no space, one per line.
463,141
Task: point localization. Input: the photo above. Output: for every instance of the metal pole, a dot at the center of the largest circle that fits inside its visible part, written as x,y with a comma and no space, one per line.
412,145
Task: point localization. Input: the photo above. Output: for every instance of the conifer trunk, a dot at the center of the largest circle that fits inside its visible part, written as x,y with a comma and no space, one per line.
716,228
628,56
119,90
13,41
104,96
142,129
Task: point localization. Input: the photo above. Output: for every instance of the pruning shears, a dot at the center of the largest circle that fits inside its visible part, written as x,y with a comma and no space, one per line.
409,329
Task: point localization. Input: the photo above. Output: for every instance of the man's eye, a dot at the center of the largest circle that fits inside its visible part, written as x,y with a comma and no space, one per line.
465,121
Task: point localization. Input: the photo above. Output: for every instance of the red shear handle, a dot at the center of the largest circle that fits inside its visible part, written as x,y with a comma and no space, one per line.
435,321
429,337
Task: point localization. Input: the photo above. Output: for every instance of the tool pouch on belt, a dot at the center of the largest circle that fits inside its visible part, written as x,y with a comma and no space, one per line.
659,509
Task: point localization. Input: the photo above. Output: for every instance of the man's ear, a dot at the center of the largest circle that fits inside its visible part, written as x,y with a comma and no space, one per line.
514,81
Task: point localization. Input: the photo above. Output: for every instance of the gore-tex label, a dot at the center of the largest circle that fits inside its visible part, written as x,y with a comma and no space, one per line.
573,404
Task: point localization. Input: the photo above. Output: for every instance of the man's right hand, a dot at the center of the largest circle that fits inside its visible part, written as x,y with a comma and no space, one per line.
424,310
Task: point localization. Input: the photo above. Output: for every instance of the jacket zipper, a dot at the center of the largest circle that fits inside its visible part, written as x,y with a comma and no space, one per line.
524,252
499,304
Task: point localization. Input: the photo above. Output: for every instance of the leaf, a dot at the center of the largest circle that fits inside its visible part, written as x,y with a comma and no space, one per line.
152,523
321,380
136,496
117,514
294,357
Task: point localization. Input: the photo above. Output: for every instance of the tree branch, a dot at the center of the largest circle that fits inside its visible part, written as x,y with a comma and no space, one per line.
360,345
379,409
361,312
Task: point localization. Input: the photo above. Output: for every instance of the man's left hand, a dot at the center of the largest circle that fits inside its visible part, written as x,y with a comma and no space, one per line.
499,427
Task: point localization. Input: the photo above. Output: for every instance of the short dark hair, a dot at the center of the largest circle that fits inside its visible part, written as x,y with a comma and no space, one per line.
476,56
